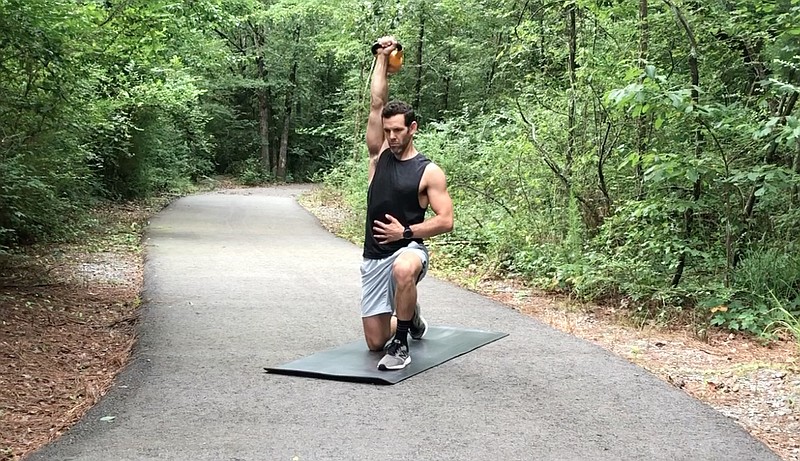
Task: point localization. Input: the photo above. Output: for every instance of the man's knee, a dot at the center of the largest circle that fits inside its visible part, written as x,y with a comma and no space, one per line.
405,271
377,331
376,340
375,344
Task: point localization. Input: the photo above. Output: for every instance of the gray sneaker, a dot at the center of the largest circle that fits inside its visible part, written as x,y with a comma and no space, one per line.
396,357
388,343
419,326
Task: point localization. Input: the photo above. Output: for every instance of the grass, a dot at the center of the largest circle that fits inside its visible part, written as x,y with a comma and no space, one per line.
786,322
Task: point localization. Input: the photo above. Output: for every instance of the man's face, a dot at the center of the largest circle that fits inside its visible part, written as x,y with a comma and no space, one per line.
397,134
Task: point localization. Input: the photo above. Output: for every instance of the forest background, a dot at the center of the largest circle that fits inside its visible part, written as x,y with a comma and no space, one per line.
642,153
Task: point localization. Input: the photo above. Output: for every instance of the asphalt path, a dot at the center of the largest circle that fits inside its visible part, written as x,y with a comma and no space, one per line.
243,279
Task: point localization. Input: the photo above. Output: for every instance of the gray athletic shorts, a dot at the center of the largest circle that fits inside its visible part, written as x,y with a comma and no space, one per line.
377,283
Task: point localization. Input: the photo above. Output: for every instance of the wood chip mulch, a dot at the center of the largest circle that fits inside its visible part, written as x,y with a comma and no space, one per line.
67,321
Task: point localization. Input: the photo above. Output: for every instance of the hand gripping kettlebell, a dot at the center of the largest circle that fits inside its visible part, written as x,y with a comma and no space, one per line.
395,58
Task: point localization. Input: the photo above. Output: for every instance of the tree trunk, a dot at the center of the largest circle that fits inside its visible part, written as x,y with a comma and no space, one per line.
287,117
263,117
688,215
448,77
542,35
641,122
420,43
263,130
492,69
264,99
571,123
796,168
287,120
785,110
446,95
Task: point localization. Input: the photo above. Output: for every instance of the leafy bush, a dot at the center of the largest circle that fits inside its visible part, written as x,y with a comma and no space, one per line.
785,321
41,198
770,273
251,172
766,289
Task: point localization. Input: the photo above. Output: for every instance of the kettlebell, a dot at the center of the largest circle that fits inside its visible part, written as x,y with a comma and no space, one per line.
395,58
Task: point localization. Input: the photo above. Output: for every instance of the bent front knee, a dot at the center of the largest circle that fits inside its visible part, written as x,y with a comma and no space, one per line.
404,273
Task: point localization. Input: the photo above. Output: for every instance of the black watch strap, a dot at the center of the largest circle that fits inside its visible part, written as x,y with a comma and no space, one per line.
407,233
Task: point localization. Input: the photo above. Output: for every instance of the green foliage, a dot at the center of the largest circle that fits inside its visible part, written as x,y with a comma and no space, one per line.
351,177
251,172
752,317
612,176
87,110
772,271
786,322
36,200
662,193
766,288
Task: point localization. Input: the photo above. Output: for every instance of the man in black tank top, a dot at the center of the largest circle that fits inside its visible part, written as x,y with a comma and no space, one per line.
403,184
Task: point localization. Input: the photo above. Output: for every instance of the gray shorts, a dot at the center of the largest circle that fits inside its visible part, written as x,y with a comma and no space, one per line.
377,283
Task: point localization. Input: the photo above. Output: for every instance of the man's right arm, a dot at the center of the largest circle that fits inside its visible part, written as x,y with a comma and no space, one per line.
379,95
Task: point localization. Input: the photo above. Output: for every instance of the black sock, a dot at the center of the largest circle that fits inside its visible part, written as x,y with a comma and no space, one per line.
402,330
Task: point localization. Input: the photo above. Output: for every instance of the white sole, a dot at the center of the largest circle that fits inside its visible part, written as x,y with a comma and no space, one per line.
396,367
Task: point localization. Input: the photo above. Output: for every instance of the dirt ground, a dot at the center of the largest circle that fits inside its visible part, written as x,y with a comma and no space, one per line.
67,318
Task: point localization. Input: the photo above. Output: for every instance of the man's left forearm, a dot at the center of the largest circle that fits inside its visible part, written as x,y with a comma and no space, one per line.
432,227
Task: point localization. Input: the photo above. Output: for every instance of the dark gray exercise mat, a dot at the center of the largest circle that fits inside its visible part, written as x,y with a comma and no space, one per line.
354,362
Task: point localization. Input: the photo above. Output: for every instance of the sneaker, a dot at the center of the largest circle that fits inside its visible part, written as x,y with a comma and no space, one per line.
419,326
396,357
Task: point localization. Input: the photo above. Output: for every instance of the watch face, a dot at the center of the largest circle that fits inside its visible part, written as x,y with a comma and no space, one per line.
407,233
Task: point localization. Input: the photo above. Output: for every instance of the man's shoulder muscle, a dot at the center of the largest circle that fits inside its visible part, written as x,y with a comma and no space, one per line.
432,173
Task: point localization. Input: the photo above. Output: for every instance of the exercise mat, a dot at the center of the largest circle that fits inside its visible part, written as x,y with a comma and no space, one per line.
354,362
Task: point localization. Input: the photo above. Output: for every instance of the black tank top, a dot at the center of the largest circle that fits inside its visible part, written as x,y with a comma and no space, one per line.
394,190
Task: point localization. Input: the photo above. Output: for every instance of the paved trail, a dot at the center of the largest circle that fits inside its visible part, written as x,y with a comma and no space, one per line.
239,280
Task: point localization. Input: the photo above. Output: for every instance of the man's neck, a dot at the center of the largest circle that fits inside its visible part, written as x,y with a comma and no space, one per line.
409,152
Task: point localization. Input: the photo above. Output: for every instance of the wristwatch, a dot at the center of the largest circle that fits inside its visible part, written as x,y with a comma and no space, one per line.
407,233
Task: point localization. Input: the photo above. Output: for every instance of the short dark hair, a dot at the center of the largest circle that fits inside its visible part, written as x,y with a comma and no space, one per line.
397,108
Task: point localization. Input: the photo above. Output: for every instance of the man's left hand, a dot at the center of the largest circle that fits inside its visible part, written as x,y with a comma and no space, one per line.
387,232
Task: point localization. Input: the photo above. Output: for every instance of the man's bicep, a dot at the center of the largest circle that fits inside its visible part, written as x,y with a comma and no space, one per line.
438,197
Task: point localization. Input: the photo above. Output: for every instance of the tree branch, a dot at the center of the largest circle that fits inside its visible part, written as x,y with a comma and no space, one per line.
485,194
230,41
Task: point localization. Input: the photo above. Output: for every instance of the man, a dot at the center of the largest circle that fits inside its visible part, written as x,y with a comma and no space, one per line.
402,185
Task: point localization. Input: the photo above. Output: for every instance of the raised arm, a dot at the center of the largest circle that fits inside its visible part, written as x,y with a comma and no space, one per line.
379,96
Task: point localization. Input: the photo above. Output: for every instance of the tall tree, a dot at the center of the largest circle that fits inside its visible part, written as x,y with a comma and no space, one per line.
287,115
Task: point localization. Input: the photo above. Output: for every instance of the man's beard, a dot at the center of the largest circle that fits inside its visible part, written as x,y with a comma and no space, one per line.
399,148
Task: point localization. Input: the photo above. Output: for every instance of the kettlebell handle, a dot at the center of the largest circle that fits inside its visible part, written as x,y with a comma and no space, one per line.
376,46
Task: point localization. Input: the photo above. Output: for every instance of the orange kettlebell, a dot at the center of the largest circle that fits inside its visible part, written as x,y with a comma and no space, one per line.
395,61
395,58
